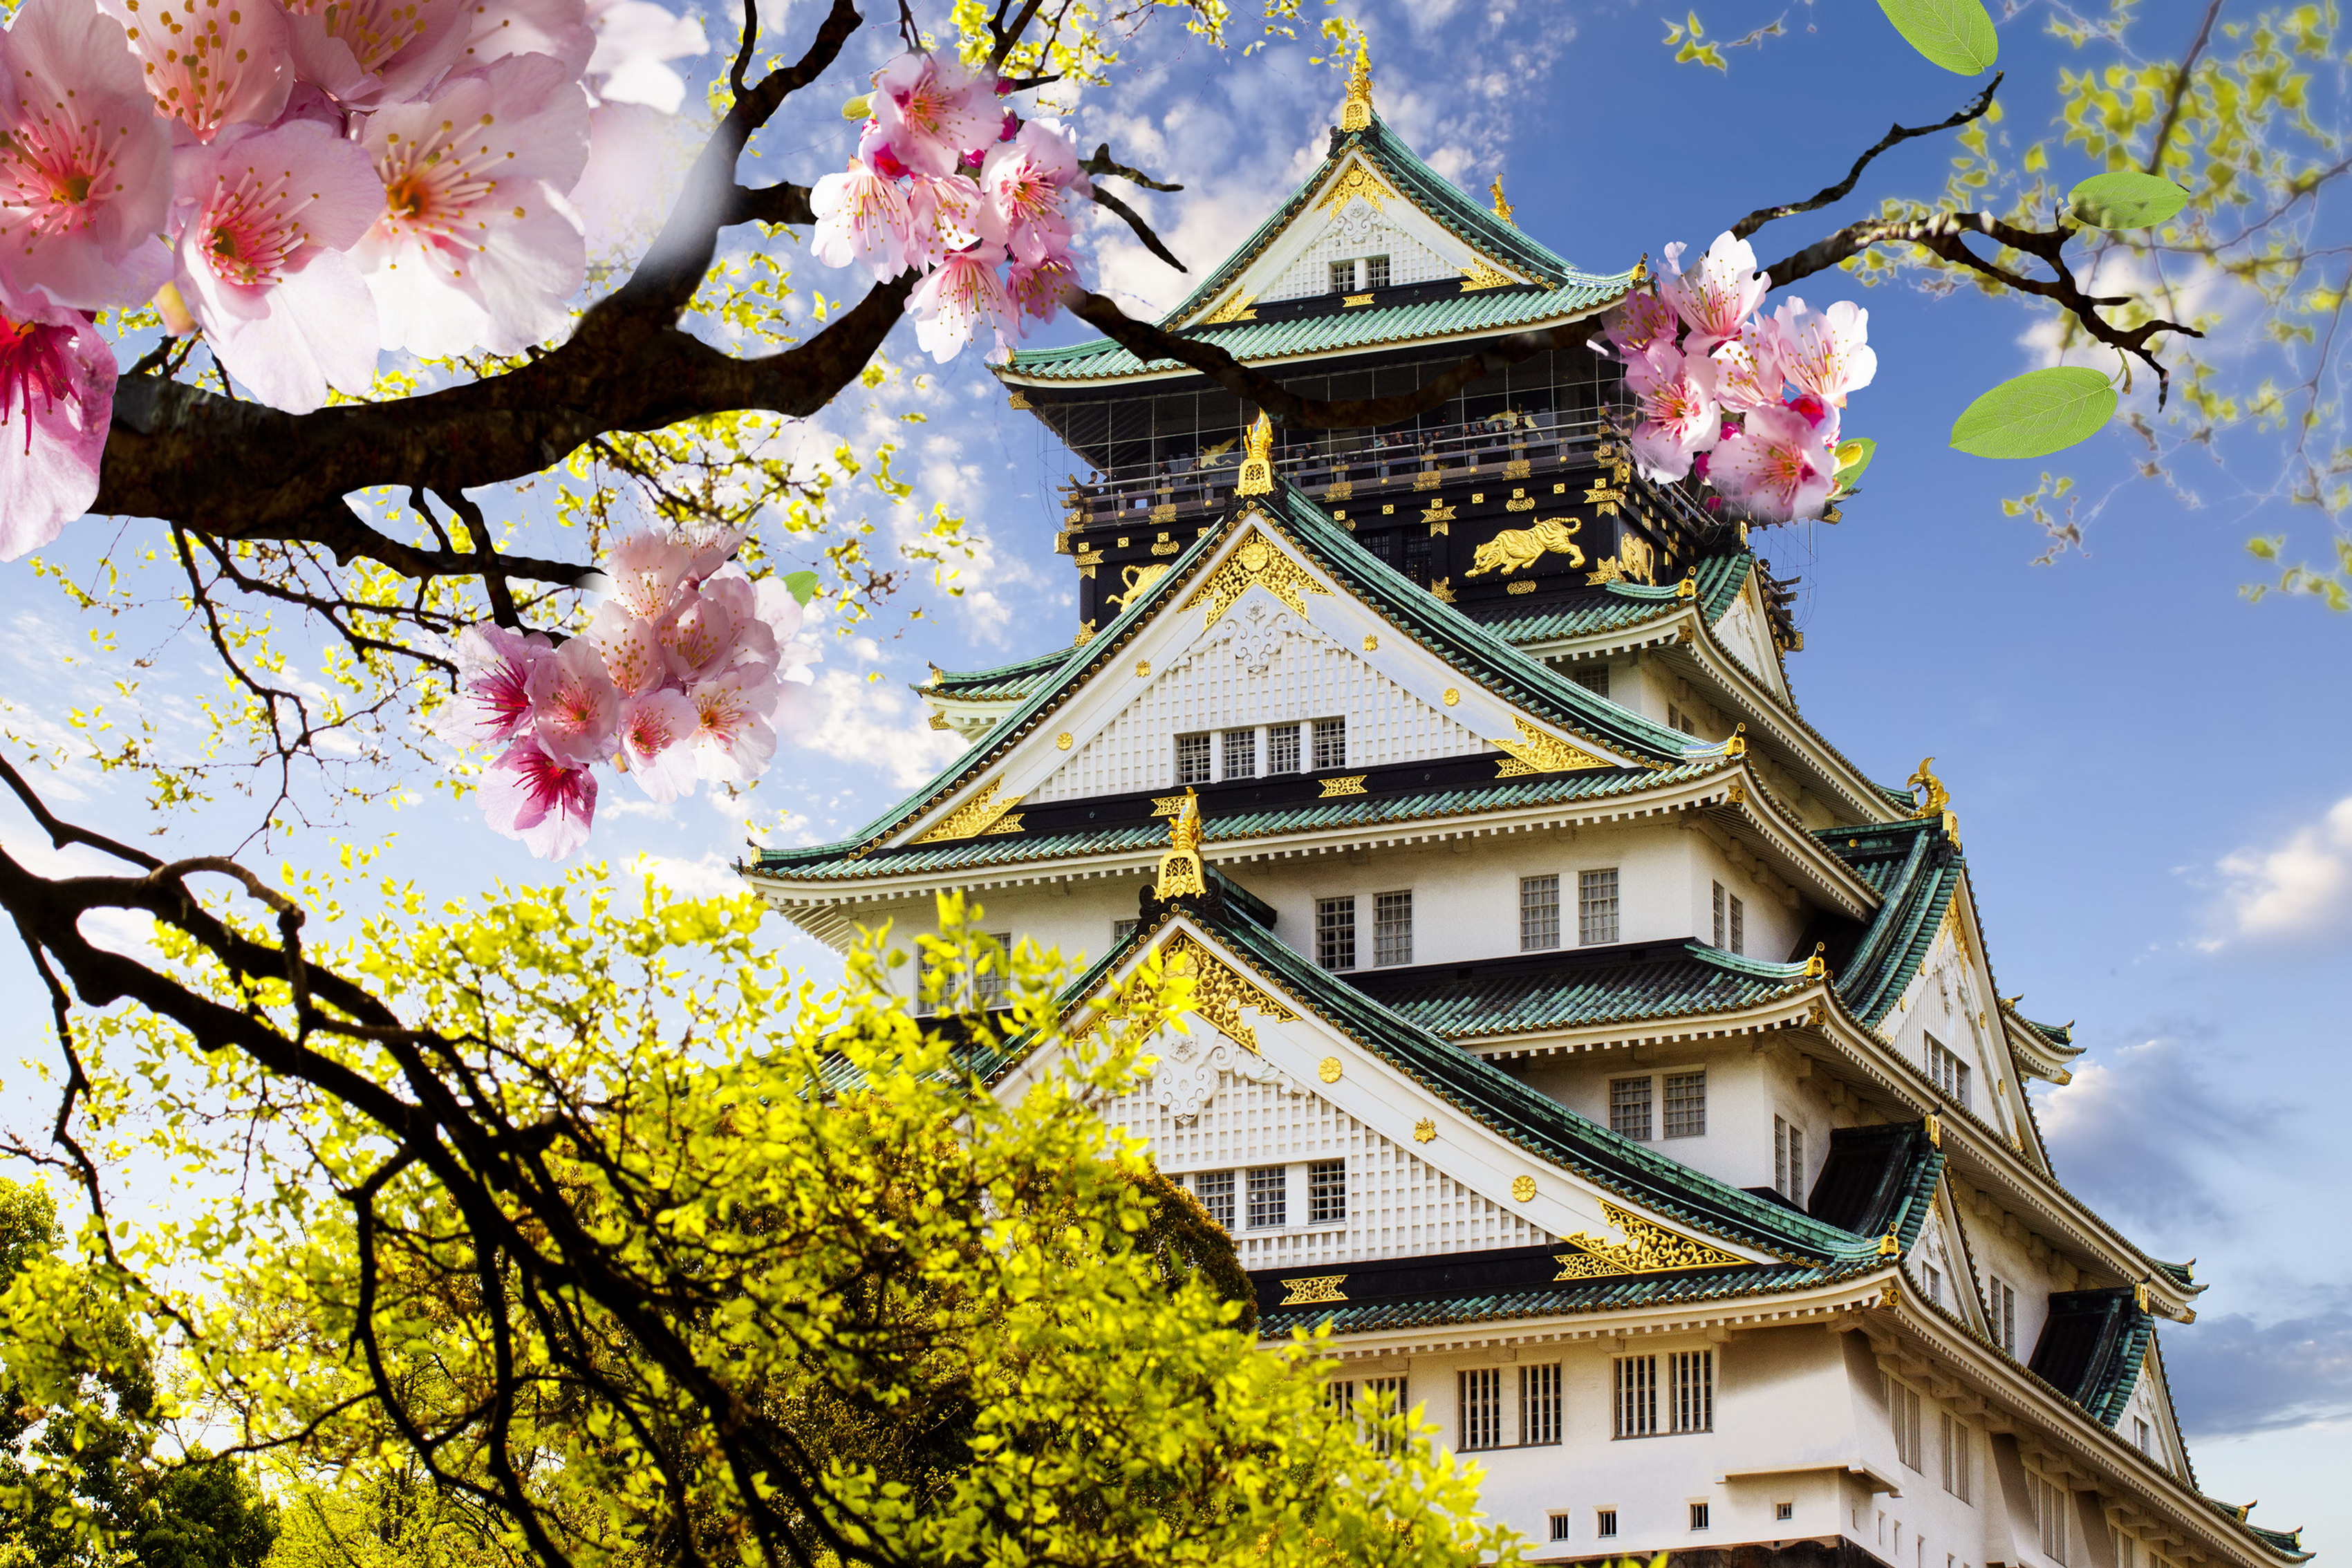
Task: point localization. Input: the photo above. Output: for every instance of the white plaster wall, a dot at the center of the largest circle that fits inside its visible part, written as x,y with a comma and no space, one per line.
1356,230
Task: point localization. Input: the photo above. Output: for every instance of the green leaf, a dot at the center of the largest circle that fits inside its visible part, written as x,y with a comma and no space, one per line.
2036,413
1853,457
803,585
1956,34
2124,199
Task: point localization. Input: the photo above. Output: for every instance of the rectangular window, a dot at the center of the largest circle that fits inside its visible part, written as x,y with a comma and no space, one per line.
1335,932
1215,1190
1382,545
1269,1197
1538,913
2003,1315
1343,277
1789,1160
1678,720
1904,1407
1121,930
1240,757
1722,918
2144,1437
1340,1395
1540,1405
1692,1372
1282,749
1934,1276
1418,554
1382,1397
1686,1104
1604,1521
1596,906
1376,271
1698,1513
1950,1073
1636,1397
1392,928
1784,1511
2050,1517
1560,1527
988,985
1739,925
1327,1191
1330,743
1628,1107
1192,759
1482,1407
1958,1459
1595,679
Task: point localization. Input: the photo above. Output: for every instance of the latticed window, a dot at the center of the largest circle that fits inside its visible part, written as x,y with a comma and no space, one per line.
1540,1405
1343,277
1700,1513
1192,759
1950,1073
1959,1458
1382,1397
1595,679
1215,1190
1417,553
1538,913
1903,1406
1392,928
1269,1197
1340,1395
1686,1104
1596,906
1482,1407
988,980
1282,749
1628,1107
1789,1160
1335,932
1730,920
2050,1517
1240,754
1330,743
1327,1191
1121,930
1636,1402
1604,1521
1739,925
1376,271
1692,1373
2004,1315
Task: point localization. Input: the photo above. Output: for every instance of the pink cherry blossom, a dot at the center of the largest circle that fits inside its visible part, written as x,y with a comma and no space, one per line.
1826,352
210,63
1640,320
1026,179
547,804
861,218
1680,416
945,214
1039,291
1717,297
363,52
933,113
265,223
964,296
732,737
557,28
476,250
1748,372
634,40
56,398
629,646
657,736
573,705
713,553
698,635
494,669
644,572
85,164
1774,468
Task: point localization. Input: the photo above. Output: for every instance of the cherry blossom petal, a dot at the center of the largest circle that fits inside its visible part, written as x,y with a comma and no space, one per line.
363,52
1749,369
933,113
629,645
645,571
1680,416
1774,468
1826,352
547,804
963,297
1641,320
1715,299
574,705
733,740
862,219
210,63
56,399
657,736
494,668
557,28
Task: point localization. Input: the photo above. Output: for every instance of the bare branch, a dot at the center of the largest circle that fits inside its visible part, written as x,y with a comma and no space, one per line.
1895,136
1142,229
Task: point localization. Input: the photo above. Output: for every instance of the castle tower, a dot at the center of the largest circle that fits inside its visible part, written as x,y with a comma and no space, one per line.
1616,1069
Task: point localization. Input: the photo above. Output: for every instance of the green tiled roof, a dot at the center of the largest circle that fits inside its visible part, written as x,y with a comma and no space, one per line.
2056,1033
1915,867
1006,681
1515,997
1613,607
1544,1302
2289,1541
1564,291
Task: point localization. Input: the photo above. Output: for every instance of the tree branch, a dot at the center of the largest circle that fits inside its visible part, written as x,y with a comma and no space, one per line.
1895,136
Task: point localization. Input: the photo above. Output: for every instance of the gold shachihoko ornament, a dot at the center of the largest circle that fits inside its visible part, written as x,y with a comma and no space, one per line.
1256,477
1179,869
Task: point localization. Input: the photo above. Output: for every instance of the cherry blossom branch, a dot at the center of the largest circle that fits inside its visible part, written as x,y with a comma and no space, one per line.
1895,136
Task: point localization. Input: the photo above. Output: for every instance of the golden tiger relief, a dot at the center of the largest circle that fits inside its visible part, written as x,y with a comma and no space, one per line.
1517,547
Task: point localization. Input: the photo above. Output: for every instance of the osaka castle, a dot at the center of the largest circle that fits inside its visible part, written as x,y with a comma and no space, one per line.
1615,1067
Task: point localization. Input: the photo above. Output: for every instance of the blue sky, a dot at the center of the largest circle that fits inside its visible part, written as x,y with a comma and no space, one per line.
2153,777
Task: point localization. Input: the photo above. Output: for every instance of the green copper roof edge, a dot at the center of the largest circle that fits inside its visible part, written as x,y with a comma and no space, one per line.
1740,963
943,681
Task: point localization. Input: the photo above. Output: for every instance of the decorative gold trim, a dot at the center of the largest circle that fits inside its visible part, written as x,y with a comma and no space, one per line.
1817,967
1523,1189
1180,872
1254,562
1890,1246
1453,695
1314,1291
1219,992
1482,275
1162,511
1256,476
1516,547
1424,1131
1086,634
1939,797
1537,751
1351,784
1062,741
1007,824
1522,585
1428,480
1437,515
1339,489
1350,302
1240,307
1167,805
1371,645
1443,589
1142,669
1356,113
1135,579
1329,1068
1019,400
939,721
1359,181
1647,1249
1502,208
1887,1295
974,816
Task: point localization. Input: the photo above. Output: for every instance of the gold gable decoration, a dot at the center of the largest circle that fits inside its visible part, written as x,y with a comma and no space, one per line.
984,812
1254,562
1240,307
1648,1248
1480,274
1536,752
1220,993
1314,1291
1359,180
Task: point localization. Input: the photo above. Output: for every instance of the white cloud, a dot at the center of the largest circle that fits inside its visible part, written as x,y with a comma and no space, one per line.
712,877
2301,888
880,726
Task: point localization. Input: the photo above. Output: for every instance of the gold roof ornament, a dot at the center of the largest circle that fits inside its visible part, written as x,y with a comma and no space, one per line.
1256,477
1502,206
1356,114
1180,872
1642,270
1939,797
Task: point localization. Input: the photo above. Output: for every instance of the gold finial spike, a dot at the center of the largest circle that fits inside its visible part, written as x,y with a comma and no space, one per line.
1642,270
1356,114
1818,966
1181,870
1256,477
1939,797
1502,205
